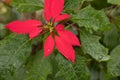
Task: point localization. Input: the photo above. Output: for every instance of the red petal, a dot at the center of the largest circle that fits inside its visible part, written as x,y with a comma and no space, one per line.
47,9
62,17
48,46
33,24
56,7
27,27
59,27
69,37
35,33
65,48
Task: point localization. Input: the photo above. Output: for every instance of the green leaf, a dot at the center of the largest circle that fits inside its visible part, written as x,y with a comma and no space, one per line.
72,71
93,20
111,37
1,26
114,63
2,31
20,74
91,45
40,68
14,50
27,5
114,2
72,5
97,4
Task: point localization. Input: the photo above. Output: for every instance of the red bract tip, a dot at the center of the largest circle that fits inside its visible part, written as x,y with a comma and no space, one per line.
62,17
53,10
56,8
65,48
69,37
30,27
47,10
49,46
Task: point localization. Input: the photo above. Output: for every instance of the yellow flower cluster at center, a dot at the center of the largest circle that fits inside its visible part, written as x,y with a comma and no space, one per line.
49,26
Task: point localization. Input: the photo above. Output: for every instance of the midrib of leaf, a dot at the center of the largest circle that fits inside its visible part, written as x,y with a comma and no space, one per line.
22,46
4,40
18,49
84,34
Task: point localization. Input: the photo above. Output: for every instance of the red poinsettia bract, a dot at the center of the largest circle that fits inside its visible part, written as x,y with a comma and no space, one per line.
64,40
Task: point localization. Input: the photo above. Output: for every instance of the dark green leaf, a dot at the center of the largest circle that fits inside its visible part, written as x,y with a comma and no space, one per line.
2,31
40,68
111,37
72,71
91,45
72,5
20,74
14,50
27,5
93,20
114,63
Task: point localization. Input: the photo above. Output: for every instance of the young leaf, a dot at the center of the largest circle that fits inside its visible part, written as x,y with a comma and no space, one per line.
92,46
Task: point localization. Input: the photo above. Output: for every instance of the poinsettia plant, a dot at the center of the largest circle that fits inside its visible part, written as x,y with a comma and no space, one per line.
63,39
59,40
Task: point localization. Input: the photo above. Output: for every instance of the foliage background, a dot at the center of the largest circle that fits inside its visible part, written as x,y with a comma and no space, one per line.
95,22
